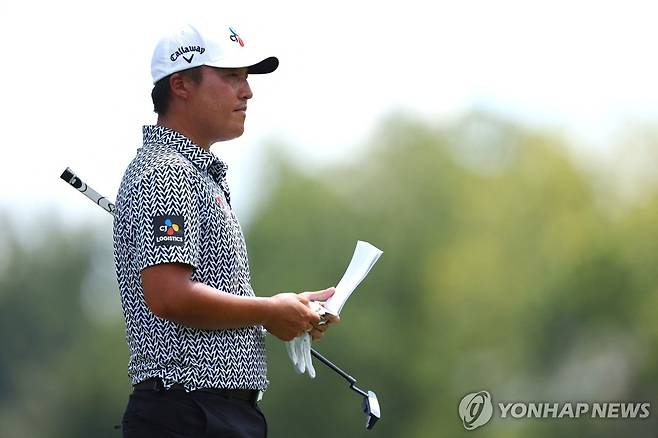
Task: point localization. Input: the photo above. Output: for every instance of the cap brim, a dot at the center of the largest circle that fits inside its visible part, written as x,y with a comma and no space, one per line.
267,65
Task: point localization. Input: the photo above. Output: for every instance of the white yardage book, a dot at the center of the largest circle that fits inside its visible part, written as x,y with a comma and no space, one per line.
364,258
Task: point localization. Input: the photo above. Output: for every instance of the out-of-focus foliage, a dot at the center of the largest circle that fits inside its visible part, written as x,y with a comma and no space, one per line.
63,356
505,268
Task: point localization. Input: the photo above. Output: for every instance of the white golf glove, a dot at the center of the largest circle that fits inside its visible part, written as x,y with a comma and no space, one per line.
299,349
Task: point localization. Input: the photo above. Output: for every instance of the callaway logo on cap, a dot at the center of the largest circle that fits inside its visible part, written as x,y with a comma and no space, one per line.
223,47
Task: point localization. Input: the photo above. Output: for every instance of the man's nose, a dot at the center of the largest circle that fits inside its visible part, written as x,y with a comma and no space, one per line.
246,91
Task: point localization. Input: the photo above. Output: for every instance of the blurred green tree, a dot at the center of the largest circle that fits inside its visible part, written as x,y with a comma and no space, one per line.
500,266
62,371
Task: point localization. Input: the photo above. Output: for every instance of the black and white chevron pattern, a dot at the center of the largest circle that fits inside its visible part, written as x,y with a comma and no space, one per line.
171,176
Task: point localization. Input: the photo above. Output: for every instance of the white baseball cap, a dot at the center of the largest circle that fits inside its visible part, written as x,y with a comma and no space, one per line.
224,47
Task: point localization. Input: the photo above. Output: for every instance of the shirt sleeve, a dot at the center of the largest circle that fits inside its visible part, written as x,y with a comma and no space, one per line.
166,213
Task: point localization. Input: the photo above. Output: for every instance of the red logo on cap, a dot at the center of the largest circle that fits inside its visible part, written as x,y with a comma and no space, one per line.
235,37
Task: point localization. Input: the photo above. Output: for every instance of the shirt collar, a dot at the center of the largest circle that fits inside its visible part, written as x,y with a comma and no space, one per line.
202,159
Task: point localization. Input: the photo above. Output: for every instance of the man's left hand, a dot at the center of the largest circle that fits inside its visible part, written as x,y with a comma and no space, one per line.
318,330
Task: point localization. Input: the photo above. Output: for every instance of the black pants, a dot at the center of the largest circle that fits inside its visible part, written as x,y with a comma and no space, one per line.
175,413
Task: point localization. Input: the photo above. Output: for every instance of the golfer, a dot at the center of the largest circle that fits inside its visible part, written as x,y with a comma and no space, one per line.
194,326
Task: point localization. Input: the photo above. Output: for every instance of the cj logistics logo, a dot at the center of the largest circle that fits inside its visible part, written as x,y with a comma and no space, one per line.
477,408
169,227
168,230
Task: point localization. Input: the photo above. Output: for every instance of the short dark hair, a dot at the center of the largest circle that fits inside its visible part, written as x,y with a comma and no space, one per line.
161,93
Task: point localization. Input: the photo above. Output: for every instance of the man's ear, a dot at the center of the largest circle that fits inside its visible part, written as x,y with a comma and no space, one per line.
180,86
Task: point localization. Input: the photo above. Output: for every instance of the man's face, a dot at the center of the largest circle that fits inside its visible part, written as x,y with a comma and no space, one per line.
219,103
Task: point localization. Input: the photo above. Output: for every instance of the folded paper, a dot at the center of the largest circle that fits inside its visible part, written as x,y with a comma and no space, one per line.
364,258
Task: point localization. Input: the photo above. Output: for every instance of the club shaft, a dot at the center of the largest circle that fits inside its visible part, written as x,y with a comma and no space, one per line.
328,363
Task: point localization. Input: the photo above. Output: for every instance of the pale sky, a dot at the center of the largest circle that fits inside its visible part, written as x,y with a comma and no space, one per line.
76,79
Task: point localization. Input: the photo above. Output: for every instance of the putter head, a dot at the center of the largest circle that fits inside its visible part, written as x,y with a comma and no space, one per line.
371,409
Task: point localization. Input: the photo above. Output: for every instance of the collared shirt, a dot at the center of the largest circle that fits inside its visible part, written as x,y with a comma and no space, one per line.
174,206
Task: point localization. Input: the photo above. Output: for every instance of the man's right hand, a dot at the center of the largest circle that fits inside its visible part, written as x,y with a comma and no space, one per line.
290,315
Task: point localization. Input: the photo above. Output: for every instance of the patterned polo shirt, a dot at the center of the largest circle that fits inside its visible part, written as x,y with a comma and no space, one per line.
174,206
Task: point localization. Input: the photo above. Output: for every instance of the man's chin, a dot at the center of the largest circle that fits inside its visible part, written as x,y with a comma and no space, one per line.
235,133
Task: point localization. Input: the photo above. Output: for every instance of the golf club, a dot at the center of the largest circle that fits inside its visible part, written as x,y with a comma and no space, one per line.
370,403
